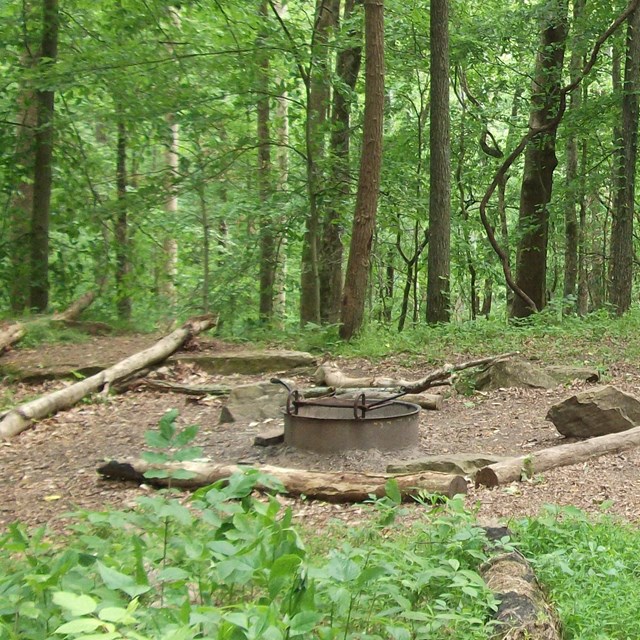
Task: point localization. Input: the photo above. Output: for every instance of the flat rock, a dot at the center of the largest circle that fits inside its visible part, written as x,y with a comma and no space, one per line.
269,437
514,373
459,463
565,374
248,362
249,402
595,412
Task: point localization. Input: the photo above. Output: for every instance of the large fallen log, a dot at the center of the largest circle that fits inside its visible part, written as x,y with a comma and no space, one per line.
523,467
15,332
18,419
523,613
316,485
333,377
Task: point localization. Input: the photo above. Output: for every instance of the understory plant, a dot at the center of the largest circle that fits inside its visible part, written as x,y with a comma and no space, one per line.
231,565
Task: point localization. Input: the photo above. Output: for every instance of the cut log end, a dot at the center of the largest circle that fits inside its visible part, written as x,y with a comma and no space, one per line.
487,477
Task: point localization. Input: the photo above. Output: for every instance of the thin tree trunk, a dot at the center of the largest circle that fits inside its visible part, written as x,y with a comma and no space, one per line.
540,163
364,220
317,86
42,173
621,268
267,241
123,268
21,205
347,69
582,303
438,264
169,243
572,181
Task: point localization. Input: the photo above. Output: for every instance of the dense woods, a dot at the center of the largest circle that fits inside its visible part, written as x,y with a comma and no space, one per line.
323,162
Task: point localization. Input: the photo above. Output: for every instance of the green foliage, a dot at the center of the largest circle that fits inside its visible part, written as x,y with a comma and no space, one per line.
235,567
590,570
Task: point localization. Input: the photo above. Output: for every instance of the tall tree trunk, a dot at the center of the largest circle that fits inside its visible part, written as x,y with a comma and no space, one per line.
42,174
621,268
438,263
364,220
317,87
169,242
267,241
21,204
347,69
123,269
574,194
540,163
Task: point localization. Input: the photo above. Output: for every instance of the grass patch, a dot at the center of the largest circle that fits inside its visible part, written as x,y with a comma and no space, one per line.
590,569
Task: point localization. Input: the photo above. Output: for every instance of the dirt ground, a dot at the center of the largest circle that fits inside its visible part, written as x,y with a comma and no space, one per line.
50,469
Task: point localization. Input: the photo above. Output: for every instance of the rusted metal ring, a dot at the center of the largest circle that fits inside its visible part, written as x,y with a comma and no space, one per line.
293,401
359,404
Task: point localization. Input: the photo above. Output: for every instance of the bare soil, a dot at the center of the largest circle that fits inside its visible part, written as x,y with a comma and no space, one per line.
50,470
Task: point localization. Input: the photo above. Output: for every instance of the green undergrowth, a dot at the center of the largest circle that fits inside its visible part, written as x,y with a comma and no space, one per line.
590,569
230,566
598,339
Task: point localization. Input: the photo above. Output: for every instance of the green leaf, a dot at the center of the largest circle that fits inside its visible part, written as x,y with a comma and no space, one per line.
77,605
189,453
182,474
186,435
167,424
120,581
157,473
156,440
154,458
117,615
304,622
392,490
80,625
173,574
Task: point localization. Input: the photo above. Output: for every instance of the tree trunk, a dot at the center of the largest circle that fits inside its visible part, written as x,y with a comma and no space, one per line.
42,171
339,487
540,162
364,220
267,241
574,192
21,204
20,418
123,268
317,86
621,268
347,69
438,263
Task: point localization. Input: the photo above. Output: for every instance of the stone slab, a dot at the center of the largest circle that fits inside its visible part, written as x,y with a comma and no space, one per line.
248,362
462,463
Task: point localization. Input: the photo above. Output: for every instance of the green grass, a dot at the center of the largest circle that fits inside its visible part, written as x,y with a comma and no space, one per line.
590,569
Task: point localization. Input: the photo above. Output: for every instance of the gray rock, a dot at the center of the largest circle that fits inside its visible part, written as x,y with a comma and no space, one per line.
565,374
463,463
248,362
595,413
249,402
514,373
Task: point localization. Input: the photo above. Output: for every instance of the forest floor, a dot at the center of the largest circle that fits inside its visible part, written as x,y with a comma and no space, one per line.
50,470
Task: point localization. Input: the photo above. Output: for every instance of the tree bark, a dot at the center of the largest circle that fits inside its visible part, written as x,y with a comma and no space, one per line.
540,163
123,264
364,220
574,192
267,241
43,159
438,262
621,268
338,487
514,469
347,69
20,418
317,85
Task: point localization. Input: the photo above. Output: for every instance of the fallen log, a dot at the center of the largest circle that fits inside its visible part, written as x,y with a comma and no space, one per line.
523,613
333,377
523,467
15,332
316,485
189,390
18,419
10,335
